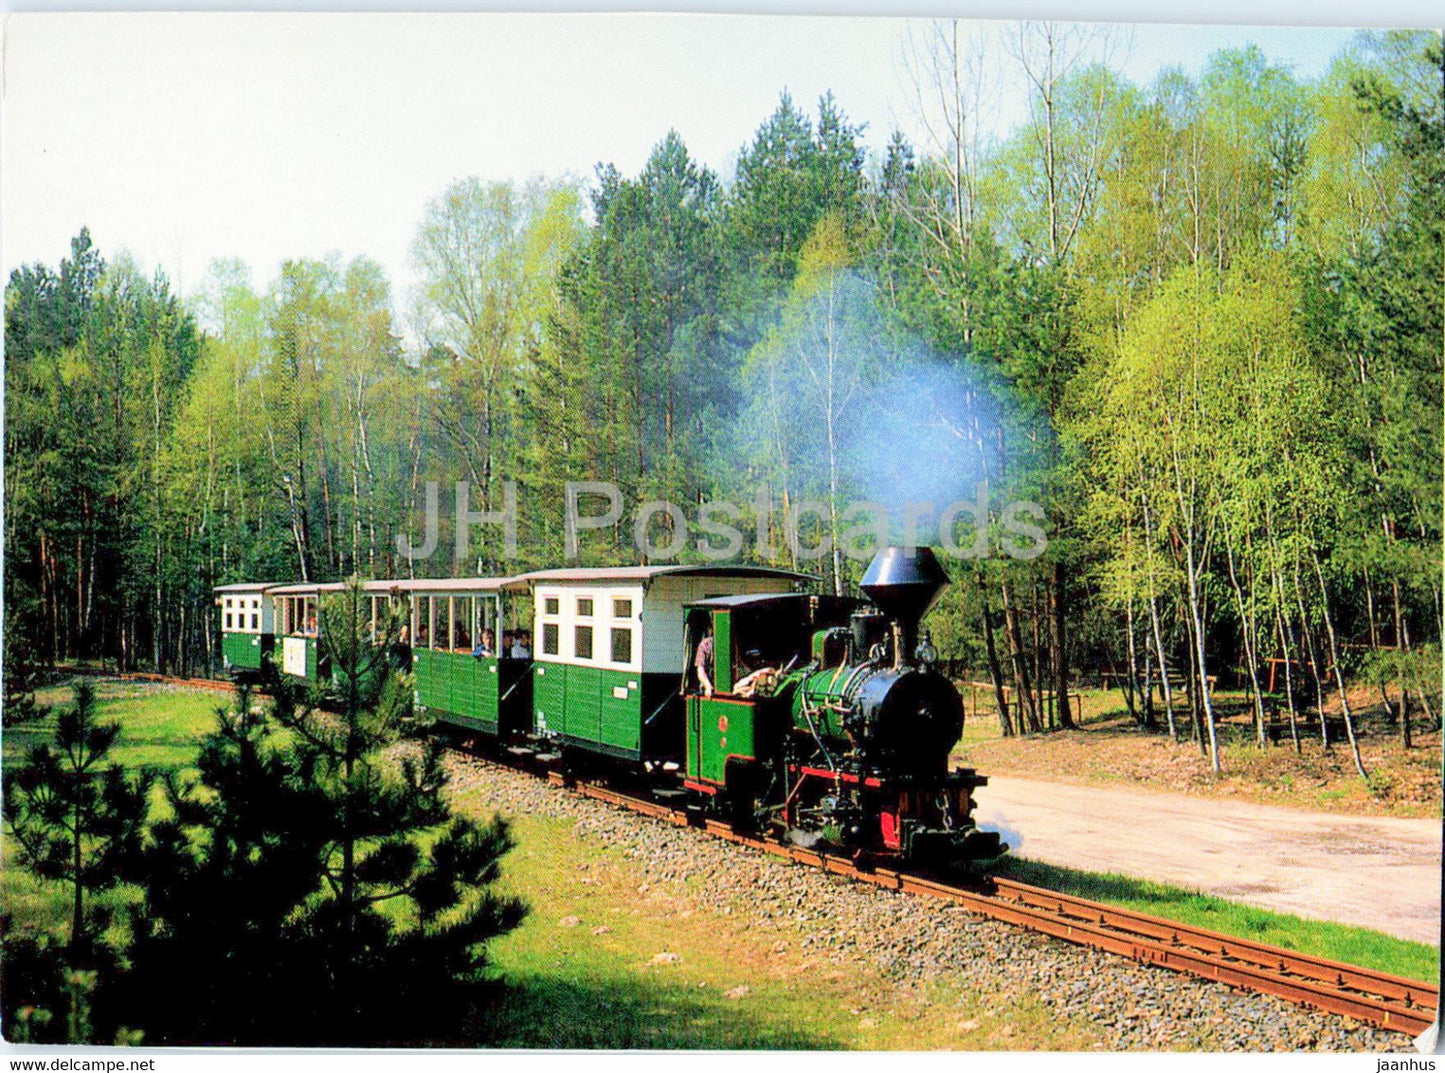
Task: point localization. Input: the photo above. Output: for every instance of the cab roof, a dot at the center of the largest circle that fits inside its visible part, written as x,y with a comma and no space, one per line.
755,599
748,599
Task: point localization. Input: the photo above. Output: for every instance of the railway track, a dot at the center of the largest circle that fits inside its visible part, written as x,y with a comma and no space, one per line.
1376,998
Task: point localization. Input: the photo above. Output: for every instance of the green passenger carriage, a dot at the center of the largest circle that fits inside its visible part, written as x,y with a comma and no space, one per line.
610,651
470,666
297,654
248,628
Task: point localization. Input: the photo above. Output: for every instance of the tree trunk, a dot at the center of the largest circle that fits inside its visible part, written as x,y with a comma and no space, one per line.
1022,688
1061,659
1206,706
1131,681
1310,654
1246,620
995,673
1285,648
1339,673
1165,689
1151,720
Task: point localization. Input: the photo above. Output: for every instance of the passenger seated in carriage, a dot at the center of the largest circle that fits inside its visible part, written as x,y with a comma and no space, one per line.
521,647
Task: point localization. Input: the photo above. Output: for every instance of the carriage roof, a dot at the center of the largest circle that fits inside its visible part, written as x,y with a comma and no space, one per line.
377,585
304,588
437,584
604,575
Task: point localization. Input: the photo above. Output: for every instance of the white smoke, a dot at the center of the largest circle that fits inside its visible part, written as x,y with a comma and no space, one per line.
993,820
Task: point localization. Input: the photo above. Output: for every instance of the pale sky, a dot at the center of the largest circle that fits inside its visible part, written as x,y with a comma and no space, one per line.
267,136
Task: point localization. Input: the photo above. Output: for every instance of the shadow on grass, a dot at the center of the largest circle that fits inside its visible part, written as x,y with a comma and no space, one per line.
1098,886
617,1013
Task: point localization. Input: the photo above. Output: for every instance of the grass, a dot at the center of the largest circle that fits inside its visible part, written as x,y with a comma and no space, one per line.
1339,942
606,960
736,982
160,726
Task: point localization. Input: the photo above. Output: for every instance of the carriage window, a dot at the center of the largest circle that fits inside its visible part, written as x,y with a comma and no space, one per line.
582,642
584,606
551,606
621,608
255,621
228,620
622,645
443,631
549,638
466,613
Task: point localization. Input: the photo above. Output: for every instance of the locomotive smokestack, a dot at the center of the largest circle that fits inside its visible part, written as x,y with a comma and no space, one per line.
904,585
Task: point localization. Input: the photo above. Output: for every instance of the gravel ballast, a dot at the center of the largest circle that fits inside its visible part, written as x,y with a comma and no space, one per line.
916,943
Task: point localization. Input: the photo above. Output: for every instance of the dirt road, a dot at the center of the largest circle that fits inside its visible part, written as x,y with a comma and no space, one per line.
1378,873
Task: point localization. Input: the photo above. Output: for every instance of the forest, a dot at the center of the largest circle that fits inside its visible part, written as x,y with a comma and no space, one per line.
1199,322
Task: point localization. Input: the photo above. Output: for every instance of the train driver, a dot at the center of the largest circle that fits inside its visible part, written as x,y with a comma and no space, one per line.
703,661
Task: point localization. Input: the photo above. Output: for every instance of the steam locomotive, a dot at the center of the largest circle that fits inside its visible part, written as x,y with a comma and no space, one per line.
846,724
816,718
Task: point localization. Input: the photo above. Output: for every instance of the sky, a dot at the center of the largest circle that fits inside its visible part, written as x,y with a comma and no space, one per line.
266,136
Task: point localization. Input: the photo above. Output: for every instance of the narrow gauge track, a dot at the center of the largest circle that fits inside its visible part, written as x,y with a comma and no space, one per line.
1376,998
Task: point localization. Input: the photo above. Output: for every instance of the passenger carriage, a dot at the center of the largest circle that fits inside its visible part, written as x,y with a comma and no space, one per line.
464,674
248,627
298,654
610,651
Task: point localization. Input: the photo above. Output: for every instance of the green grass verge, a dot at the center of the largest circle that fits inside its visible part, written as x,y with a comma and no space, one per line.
1340,942
159,728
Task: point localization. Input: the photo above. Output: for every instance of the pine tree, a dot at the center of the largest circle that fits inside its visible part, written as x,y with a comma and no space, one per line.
225,874
315,888
78,822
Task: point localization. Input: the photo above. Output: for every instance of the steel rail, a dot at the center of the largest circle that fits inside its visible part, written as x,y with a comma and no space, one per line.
1377,998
